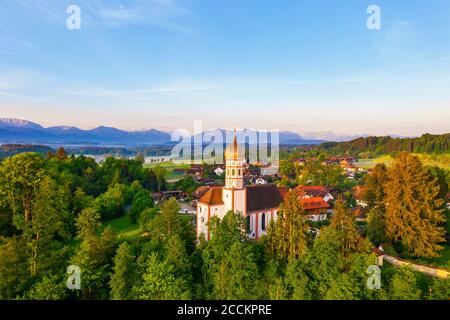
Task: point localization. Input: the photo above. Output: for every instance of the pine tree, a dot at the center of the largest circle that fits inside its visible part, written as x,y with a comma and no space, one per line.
403,285
296,282
343,222
124,274
237,274
374,195
159,281
413,207
374,186
288,236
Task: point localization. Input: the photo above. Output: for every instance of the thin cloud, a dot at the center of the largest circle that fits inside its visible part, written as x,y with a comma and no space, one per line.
399,37
103,13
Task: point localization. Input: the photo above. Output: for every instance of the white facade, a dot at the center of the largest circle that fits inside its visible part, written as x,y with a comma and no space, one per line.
233,197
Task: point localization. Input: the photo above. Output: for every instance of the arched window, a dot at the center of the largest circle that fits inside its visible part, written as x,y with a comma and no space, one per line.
233,172
228,172
263,222
240,172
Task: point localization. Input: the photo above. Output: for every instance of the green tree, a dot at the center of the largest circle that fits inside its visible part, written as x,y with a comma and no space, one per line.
124,274
288,236
50,213
343,222
403,285
13,267
413,212
94,256
236,276
141,201
111,203
20,175
296,282
374,188
159,281
48,288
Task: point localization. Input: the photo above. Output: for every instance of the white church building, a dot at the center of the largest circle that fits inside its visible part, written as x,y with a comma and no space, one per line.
258,203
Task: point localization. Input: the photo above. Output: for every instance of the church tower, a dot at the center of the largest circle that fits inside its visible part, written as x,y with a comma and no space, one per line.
234,193
234,166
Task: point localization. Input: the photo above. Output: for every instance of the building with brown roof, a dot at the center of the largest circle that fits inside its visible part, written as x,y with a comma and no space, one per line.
316,208
314,192
258,203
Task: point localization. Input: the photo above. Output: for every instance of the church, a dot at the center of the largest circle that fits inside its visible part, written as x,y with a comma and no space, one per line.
258,203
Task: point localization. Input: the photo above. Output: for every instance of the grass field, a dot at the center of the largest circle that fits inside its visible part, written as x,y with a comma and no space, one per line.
123,227
440,160
170,167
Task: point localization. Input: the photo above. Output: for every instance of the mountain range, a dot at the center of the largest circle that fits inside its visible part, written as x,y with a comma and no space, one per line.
23,131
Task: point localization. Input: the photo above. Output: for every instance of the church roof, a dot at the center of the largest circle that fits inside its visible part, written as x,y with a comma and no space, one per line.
212,197
263,196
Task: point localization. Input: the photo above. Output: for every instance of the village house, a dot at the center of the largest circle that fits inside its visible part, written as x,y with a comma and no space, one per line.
314,191
316,208
358,194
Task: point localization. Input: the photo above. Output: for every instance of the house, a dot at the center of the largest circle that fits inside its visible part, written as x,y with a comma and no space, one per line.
177,194
358,195
195,170
316,208
259,203
360,213
314,191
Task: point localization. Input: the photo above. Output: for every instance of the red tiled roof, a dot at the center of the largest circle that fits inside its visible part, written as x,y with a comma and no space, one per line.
312,191
200,191
314,203
212,197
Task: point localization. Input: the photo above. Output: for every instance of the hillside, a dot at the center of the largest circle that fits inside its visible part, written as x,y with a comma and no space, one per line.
370,147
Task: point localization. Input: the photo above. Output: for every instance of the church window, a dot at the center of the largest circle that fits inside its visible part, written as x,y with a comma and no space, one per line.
263,222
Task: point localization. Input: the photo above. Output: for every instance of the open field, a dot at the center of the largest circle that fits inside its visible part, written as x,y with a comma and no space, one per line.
123,227
440,160
170,167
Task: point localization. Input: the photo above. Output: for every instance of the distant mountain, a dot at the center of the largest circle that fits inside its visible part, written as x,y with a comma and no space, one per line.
18,123
285,137
22,131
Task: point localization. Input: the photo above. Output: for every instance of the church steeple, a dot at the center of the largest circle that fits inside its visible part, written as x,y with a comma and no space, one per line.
234,164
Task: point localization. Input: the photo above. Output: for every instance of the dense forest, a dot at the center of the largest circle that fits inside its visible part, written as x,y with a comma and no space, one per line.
54,213
374,146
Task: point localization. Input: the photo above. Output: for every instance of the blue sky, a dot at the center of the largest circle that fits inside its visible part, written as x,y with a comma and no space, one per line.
301,65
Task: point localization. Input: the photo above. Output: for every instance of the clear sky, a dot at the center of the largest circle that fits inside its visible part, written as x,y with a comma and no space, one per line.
298,65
